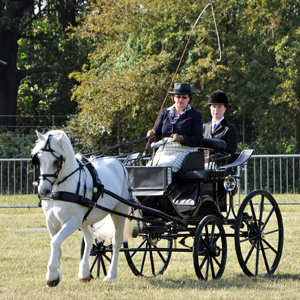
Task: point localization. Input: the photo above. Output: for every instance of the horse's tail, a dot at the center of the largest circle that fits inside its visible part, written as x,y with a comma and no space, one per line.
104,230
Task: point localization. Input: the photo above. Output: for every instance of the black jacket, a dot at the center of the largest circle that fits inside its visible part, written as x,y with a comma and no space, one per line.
226,132
189,125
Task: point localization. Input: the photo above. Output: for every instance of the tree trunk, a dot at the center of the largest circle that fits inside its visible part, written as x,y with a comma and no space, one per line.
9,78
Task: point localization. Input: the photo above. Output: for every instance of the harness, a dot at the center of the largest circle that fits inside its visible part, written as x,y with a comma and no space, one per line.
68,196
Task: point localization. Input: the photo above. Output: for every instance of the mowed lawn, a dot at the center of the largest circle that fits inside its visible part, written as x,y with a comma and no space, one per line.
25,250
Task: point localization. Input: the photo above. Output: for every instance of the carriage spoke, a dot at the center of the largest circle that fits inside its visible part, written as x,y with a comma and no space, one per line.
160,255
217,262
207,267
107,258
247,239
250,252
261,205
103,265
213,274
257,258
268,218
212,233
203,262
265,258
206,236
138,247
144,257
152,262
270,246
254,215
249,225
217,237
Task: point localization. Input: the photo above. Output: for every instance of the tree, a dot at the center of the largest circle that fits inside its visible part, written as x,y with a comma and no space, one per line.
22,20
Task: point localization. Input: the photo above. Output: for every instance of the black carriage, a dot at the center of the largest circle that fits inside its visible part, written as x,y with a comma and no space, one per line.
193,211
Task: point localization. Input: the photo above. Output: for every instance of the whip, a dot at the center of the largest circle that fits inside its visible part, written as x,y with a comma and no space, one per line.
172,81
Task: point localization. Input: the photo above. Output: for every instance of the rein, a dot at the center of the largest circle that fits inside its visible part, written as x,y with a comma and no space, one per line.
69,197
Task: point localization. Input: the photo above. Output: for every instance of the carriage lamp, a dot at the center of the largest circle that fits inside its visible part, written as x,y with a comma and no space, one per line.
35,183
230,183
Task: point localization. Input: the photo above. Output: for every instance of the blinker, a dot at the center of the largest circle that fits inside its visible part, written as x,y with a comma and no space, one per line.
35,160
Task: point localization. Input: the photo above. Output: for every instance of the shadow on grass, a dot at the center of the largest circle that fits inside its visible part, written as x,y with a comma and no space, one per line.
238,282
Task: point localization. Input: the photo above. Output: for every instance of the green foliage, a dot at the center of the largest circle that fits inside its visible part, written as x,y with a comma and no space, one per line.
49,93
16,144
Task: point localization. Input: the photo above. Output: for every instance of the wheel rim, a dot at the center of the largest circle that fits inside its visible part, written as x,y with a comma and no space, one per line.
210,249
148,255
259,234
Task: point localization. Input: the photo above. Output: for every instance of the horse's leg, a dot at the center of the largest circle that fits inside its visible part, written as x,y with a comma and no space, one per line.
117,240
53,230
53,275
84,268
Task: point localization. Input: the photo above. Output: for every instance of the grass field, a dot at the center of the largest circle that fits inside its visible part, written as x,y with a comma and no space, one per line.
25,250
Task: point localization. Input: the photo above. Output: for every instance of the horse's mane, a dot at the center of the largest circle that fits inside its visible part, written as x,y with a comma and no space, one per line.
40,144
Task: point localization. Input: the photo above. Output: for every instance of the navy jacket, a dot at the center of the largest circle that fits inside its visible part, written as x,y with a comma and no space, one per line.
226,132
189,125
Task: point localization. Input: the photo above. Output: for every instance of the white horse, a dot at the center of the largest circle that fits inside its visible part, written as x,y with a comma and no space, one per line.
60,174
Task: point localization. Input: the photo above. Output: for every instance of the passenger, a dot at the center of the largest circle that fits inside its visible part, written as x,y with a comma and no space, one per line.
182,124
219,127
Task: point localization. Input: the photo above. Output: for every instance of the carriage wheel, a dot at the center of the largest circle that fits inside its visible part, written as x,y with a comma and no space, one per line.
102,256
148,255
210,249
259,234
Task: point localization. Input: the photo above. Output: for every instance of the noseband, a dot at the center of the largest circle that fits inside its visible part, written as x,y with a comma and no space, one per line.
59,160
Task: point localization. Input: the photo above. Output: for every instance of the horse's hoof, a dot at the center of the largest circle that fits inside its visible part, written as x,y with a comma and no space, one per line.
53,283
88,279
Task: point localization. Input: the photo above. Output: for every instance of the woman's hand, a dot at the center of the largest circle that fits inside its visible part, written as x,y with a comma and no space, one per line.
207,159
151,133
177,138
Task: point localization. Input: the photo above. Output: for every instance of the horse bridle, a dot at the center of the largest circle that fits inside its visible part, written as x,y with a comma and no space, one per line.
35,161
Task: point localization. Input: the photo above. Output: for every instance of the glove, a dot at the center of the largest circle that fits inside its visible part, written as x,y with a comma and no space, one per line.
151,133
177,138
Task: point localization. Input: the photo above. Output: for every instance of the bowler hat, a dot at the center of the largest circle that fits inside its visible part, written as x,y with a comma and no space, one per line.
182,89
218,97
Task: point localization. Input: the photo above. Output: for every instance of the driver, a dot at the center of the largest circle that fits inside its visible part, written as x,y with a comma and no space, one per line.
182,125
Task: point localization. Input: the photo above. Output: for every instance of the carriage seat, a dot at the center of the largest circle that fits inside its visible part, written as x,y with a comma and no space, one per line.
193,167
214,144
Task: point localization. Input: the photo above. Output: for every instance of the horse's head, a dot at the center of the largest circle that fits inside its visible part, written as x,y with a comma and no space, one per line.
49,153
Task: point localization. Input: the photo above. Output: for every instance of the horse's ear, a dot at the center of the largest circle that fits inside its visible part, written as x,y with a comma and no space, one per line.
60,138
40,136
